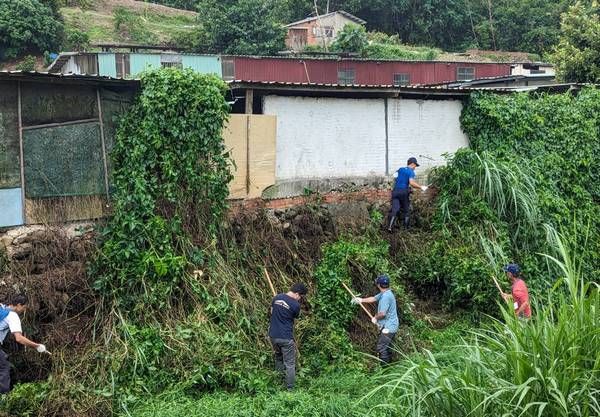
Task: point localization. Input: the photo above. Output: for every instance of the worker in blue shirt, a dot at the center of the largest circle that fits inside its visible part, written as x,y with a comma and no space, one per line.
386,318
401,192
285,308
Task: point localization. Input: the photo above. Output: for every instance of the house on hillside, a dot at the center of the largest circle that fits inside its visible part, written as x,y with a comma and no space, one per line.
318,30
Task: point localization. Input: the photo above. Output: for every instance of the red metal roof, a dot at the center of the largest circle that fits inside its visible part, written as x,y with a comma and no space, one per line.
326,71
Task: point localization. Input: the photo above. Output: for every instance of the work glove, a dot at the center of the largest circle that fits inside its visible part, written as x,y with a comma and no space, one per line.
374,321
424,188
356,300
41,348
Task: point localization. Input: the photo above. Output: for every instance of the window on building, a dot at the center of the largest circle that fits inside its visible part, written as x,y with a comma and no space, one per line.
346,76
170,61
465,73
228,68
88,64
401,79
323,31
123,66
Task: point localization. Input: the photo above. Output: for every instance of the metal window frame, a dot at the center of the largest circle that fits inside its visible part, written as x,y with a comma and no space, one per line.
343,77
405,75
463,77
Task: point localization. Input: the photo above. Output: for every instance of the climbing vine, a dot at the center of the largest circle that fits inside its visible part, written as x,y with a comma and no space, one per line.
170,178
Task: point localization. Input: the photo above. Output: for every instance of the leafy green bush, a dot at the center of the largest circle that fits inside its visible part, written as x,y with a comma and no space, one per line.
25,399
352,38
27,64
28,26
77,40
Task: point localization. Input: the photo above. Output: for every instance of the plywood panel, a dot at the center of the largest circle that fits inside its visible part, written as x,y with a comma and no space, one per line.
234,136
261,156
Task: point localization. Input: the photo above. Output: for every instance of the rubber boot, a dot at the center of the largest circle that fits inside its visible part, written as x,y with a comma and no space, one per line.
406,222
391,226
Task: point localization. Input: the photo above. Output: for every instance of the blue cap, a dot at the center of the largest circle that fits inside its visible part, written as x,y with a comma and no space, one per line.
383,281
512,268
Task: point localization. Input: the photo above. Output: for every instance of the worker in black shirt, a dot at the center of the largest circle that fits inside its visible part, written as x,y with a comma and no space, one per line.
285,308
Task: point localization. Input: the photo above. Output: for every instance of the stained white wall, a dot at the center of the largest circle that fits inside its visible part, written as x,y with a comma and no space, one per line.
423,127
327,137
320,138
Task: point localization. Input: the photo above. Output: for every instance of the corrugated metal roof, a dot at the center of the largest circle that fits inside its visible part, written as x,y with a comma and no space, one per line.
343,13
75,77
342,58
425,89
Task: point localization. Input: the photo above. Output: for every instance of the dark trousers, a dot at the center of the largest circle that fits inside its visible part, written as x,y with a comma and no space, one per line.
4,373
384,346
284,351
401,201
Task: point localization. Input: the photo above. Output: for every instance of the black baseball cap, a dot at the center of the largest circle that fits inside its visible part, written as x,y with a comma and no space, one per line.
299,288
412,160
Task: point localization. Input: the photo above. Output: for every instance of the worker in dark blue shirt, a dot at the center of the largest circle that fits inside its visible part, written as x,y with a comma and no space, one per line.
285,308
401,192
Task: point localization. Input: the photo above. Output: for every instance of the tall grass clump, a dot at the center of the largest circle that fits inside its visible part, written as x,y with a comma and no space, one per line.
546,366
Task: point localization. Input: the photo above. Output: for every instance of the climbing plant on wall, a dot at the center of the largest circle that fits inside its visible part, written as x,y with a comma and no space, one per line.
171,175
533,161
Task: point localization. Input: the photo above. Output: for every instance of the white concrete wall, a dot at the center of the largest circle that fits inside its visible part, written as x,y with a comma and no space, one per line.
319,138
327,137
423,127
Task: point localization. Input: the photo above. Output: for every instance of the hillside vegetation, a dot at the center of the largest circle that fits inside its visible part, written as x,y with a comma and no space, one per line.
129,21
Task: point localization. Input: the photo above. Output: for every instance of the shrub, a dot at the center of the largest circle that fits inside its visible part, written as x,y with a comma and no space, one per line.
77,40
27,64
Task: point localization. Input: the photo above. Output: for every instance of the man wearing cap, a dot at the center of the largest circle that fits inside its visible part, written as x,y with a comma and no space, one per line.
12,323
285,308
520,293
386,318
401,192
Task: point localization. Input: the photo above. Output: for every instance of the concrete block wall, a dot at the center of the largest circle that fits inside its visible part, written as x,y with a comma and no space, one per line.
327,137
337,138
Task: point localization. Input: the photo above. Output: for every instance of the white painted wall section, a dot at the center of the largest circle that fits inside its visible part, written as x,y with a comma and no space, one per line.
423,127
328,137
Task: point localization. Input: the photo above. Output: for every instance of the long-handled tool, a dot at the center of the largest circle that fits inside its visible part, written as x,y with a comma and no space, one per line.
270,283
362,306
497,285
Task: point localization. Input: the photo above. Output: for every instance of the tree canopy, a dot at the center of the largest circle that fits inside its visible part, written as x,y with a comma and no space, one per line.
29,25
239,27
577,55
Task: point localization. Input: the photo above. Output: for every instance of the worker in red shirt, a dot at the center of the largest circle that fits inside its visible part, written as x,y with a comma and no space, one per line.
520,294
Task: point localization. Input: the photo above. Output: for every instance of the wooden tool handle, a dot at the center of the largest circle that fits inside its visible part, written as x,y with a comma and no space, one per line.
362,306
497,285
270,283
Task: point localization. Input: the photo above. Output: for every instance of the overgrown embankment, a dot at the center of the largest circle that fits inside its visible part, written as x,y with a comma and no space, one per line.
175,302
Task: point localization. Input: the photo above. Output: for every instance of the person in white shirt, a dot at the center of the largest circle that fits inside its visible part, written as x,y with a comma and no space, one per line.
12,323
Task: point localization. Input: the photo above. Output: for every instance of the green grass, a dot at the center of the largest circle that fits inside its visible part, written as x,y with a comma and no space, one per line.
100,27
